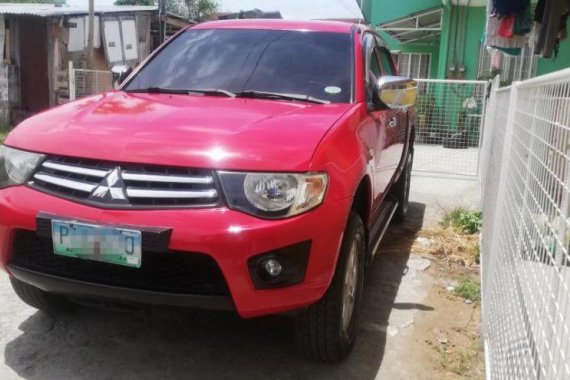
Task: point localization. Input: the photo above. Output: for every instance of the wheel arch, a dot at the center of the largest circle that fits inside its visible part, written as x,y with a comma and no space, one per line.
362,203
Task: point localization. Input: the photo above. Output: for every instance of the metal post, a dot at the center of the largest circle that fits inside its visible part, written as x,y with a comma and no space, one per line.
71,81
162,20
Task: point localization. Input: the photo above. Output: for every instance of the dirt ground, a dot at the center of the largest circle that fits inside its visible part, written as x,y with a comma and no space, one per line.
412,327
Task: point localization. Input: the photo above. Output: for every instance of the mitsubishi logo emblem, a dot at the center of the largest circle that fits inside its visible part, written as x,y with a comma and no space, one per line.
111,189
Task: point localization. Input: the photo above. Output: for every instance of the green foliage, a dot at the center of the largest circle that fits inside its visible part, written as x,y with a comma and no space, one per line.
490,75
469,289
3,135
466,221
134,2
196,10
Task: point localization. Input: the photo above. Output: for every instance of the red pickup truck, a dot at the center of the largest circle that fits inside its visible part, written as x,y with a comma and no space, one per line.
245,165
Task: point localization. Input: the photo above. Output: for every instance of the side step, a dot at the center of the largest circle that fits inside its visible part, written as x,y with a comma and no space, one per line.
381,224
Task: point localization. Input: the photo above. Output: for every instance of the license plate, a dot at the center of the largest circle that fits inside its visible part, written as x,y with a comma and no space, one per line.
92,242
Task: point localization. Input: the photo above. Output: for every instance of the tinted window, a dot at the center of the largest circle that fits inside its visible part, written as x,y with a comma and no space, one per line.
305,63
371,64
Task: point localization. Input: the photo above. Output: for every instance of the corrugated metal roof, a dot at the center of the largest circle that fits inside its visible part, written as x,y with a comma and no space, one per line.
46,10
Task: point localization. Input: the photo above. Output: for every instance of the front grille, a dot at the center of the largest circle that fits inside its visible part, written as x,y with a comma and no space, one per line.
125,185
171,272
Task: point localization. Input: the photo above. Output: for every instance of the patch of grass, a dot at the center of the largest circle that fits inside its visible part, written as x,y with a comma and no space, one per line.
477,253
459,362
461,219
469,289
3,135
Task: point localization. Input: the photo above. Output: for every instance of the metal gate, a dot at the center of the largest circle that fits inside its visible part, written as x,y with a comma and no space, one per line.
449,124
525,251
84,82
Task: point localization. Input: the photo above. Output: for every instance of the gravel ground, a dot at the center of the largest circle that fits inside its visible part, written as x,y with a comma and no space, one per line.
164,343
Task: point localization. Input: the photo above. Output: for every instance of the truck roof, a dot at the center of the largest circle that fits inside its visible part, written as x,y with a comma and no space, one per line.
275,24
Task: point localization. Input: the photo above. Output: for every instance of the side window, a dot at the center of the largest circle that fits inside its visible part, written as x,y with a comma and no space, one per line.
372,68
386,61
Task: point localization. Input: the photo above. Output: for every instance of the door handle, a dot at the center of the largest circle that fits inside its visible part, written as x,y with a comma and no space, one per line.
393,123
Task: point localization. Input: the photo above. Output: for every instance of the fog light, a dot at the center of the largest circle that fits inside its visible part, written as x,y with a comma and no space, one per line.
273,267
281,267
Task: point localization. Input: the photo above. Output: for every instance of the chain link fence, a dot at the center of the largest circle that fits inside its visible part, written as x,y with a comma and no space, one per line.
448,126
84,82
526,236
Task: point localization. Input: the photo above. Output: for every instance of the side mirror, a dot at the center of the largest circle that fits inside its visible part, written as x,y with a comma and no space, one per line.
120,73
397,92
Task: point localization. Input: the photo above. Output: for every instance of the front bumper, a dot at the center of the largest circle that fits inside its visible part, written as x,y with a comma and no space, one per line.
228,236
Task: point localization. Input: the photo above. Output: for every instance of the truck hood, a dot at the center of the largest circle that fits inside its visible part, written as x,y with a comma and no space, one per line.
182,130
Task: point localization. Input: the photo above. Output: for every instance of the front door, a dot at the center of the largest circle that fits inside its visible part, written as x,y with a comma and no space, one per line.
380,155
396,123
34,78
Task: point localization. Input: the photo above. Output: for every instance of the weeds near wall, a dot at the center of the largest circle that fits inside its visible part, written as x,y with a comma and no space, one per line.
466,221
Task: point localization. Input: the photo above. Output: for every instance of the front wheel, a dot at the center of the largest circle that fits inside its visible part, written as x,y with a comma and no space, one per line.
37,298
327,330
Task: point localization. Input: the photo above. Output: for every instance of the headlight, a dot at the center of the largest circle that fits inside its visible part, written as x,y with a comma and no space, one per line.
273,195
16,166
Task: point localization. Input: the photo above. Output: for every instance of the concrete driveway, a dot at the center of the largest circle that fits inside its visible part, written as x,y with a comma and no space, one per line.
163,343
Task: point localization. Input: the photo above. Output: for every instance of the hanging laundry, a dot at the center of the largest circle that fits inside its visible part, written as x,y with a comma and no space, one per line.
552,16
508,33
523,22
504,8
496,59
506,26
493,38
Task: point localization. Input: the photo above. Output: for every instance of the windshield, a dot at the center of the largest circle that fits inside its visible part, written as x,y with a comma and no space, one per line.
312,64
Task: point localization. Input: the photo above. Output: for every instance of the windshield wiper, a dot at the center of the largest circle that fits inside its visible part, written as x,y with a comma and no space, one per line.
202,91
212,91
282,96
158,90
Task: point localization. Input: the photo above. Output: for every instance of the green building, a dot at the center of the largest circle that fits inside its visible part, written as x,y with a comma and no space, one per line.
442,39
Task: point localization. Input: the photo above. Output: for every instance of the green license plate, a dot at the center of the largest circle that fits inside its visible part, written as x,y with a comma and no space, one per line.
92,242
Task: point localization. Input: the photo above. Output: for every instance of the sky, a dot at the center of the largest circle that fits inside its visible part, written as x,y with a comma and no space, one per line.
290,9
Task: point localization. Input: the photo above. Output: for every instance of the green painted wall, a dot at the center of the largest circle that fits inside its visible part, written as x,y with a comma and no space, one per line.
381,11
546,66
475,27
443,52
387,10
366,6
444,43
447,51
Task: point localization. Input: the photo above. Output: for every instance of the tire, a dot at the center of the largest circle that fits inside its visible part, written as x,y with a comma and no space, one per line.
326,331
36,298
401,191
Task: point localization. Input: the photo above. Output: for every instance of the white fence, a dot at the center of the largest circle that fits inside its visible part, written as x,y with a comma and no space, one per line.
448,126
525,245
84,82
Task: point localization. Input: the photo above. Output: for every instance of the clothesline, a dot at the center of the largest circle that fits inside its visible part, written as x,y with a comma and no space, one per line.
510,27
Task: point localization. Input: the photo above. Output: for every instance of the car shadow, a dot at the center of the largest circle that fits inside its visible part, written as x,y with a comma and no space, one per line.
93,343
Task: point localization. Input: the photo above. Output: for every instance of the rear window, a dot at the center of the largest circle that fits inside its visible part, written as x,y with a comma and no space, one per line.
315,64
